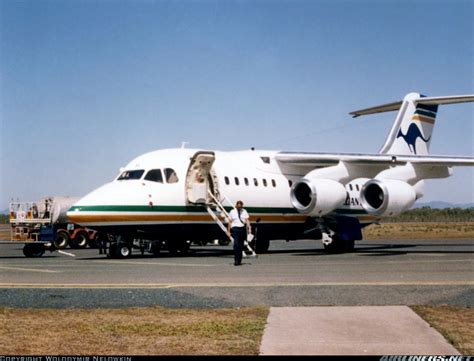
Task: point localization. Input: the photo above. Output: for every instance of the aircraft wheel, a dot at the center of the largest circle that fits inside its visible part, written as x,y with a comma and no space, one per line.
33,250
61,240
339,246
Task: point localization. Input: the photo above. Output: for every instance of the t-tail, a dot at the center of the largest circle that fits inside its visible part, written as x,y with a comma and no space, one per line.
412,129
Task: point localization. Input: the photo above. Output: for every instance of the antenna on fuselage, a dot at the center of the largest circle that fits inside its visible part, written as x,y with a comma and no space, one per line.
184,144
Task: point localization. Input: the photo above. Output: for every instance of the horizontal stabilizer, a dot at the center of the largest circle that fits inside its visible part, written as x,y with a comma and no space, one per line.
378,109
452,99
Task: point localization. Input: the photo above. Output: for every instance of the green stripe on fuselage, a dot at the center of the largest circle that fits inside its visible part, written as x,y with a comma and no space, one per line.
180,209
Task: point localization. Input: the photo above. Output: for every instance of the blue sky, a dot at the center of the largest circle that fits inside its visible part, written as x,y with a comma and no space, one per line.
88,85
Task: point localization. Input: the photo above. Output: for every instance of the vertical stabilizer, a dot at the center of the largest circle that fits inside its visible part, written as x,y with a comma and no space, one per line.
413,127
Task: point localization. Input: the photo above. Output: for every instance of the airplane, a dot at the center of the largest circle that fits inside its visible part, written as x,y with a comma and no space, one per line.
178,195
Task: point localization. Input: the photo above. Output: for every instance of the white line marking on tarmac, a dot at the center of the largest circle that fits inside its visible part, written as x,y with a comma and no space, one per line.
66,253
29,269
233,285
157,263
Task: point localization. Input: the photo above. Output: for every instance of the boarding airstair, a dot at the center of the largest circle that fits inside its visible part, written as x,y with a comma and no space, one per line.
217,211
202,190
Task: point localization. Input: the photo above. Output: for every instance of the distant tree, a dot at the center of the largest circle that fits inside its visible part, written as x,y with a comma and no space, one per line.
427,214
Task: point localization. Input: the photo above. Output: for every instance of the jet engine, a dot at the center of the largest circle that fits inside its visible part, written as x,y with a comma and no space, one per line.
387,197
317,197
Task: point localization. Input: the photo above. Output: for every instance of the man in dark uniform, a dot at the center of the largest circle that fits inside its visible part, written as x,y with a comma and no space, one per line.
238,227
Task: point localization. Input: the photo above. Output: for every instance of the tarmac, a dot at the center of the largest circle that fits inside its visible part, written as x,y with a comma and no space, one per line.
320,304
359,330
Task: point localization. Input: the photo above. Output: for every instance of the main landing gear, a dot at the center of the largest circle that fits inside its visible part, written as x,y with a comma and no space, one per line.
334,244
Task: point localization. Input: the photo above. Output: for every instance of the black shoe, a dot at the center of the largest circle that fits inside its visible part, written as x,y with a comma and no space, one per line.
237,264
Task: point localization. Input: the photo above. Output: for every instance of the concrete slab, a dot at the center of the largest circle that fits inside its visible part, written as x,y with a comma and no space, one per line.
359,330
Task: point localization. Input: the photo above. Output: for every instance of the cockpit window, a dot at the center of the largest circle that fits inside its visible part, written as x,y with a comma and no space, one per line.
154,175
171,176
131,174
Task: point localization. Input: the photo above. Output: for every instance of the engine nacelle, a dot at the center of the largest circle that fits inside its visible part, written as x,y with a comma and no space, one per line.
387,197
317,197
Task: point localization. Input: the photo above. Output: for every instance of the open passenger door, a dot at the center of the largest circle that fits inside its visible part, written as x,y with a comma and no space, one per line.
199,178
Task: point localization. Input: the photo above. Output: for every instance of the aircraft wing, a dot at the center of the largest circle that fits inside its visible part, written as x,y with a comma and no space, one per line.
318,160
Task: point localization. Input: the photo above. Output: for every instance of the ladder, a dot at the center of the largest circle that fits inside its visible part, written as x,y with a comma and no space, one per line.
222,211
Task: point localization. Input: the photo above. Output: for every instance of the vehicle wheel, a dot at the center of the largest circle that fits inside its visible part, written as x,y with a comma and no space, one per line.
33,250
124,250
80,241
61,240
120,250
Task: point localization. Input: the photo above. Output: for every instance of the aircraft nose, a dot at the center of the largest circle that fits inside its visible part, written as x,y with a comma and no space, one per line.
92,203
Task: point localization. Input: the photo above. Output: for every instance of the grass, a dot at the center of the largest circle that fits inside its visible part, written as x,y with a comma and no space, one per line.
456,324
419,230
132,331
160,331
5,231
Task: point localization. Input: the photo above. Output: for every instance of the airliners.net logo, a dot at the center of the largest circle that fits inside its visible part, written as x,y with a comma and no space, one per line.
427,358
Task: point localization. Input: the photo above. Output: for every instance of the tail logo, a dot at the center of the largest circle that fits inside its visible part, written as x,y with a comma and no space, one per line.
411,136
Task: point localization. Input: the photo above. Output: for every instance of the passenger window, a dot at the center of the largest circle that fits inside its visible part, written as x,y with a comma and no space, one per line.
274,183
171,176
246,181
290,183
255,181
131,174
236,181
357,187
264,182
154,175
350,187
226,179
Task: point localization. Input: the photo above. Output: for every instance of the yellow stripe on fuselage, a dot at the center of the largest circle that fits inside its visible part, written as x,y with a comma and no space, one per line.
175,218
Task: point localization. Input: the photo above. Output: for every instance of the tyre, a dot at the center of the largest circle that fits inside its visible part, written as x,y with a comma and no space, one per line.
340,246
120,250
61,240
33,250
124,250
80,240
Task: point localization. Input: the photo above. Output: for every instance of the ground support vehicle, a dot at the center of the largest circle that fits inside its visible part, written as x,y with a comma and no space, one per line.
43,226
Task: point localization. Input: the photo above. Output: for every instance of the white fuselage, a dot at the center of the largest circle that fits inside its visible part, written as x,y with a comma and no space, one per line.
144,206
